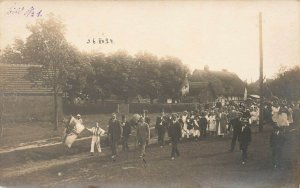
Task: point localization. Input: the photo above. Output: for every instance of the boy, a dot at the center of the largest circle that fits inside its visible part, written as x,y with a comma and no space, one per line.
97,132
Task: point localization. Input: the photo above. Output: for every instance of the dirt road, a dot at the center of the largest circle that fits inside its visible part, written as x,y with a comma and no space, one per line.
206,163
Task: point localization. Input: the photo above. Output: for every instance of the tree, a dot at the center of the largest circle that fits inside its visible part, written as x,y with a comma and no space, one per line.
148,73
287,84
47,46
14,54
95,88
119,76
172,76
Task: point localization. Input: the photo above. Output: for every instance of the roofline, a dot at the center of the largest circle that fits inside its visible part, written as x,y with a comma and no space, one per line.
19,65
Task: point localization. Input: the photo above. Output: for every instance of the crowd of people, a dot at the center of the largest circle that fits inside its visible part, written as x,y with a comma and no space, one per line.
235,120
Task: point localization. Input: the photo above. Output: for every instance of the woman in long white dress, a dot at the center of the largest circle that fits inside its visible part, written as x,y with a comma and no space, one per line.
212,123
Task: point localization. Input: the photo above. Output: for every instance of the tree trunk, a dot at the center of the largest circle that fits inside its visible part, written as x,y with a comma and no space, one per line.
2,128
55,108
1,115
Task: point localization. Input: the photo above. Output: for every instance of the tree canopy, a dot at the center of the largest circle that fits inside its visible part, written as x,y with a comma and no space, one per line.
93,76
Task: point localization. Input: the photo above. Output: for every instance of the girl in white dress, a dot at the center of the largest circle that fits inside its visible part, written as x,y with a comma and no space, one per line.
212,123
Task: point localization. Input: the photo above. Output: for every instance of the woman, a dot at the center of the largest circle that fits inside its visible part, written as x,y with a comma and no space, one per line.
222,123
212,123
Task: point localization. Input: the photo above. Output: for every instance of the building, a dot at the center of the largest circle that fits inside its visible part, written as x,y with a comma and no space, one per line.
22,99
209,86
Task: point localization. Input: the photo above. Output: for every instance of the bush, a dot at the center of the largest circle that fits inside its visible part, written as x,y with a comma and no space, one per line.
100,108
157,108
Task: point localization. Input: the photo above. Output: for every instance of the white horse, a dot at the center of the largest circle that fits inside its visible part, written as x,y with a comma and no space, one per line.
73,128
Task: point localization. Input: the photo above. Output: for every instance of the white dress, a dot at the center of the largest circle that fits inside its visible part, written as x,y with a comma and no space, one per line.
212,123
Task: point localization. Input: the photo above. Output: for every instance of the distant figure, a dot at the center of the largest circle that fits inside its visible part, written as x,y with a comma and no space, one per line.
185,130
175,134
221,126
161,127
143,135
147,118
96,132
277,141
245,139
237,129
126,132
203,124
78,117
115,133
212,123
282,120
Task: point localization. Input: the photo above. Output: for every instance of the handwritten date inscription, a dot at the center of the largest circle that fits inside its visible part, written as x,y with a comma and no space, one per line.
25,11
100,41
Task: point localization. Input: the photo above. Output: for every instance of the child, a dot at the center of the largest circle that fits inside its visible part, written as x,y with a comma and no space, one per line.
97,132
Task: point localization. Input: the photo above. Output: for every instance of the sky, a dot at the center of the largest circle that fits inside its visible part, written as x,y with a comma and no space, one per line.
220,34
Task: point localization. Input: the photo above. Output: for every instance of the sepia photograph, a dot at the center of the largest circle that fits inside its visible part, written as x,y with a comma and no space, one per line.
133,94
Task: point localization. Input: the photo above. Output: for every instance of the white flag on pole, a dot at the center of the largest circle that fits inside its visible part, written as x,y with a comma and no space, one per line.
245,94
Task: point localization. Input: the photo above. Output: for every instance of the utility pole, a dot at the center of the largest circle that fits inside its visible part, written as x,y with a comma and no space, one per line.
261,106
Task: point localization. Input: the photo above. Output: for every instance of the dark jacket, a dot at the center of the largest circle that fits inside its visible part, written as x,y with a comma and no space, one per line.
175,131
126,129
143,132
161,124
114,130
245,136
147,120
203,123
236,125
277,139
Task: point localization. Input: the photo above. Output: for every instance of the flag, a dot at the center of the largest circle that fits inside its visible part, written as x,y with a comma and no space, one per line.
77,129
245,94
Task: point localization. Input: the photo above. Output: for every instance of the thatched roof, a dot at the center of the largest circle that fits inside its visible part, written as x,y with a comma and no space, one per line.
223,82
13,80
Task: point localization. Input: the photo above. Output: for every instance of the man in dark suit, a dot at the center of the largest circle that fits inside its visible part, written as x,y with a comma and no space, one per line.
245,139
175,135
203,124
126,132
277,142
237,129
115,133
161,126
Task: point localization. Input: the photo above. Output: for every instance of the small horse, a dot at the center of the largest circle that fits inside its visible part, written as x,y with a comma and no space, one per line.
72,130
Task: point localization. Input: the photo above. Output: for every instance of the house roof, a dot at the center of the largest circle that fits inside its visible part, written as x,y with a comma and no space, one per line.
222,82
13,80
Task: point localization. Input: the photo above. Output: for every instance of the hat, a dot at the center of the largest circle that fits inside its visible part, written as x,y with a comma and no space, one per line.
78,115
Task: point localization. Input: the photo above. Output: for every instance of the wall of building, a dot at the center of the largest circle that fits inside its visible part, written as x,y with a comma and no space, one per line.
20,108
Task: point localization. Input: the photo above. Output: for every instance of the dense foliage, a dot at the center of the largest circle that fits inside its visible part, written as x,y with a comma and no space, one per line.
93,76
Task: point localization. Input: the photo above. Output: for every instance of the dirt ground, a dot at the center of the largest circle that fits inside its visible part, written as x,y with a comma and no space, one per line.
206,163
20,133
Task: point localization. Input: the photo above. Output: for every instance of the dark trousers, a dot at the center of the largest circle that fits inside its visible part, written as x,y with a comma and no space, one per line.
277,156
174,148
114,145
161,138
203,132
233,141
125,143
244,148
